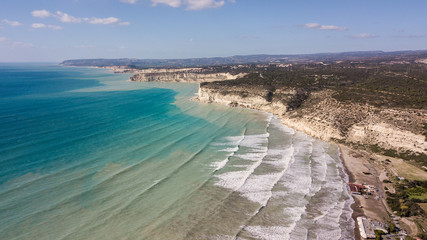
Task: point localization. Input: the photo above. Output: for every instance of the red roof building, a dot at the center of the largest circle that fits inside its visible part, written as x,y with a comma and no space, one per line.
356,188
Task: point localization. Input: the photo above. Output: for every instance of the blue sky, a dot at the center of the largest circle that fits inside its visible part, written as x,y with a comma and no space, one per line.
55,30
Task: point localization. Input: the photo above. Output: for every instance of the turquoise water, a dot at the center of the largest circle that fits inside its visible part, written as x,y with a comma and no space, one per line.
85,154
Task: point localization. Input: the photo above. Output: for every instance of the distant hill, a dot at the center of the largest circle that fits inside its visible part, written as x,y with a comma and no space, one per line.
244,59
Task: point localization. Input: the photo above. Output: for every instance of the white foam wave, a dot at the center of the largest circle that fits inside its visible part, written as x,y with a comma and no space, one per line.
232,141
294,184
255,153
329,223
252,156
229,149
308,171
268,232
329,206
219,165
222,237
257,188
255,141
232,180
280,158
307,185
235,179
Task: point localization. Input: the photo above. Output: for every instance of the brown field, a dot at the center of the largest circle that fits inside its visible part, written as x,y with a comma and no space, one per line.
403,169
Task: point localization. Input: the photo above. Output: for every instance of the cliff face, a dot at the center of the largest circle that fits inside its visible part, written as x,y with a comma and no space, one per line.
181,75
324,117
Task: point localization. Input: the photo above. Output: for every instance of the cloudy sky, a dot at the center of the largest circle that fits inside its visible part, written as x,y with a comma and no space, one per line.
55,30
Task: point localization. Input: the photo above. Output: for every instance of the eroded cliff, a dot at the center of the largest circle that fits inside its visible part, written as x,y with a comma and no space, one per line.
322,116
195,75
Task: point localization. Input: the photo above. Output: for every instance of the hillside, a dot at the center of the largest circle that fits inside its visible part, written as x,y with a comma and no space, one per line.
242,59
375,105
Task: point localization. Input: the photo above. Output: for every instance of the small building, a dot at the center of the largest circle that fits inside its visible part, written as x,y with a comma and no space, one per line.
368,227
365,229
371,189
356,188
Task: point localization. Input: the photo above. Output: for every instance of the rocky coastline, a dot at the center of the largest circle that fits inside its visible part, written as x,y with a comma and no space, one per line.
323,117
189,75
353,124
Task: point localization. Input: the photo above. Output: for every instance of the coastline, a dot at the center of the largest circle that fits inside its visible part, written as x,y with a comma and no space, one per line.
350,211
359,166
350,174
357,211
345,159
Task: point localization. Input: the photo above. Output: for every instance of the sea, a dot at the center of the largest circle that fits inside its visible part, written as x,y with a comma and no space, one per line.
87,154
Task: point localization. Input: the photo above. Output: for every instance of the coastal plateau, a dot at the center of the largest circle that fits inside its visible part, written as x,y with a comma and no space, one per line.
182,75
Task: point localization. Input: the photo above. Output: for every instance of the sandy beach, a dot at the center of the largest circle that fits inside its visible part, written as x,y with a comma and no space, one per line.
361,170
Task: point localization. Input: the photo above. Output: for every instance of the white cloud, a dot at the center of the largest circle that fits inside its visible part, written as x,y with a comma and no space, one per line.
4,41
63,17
364,36
66,18
11,23
128,1
38,25
332,27
41,13
109,20
312,25
191,4
42,25
170,3
324,27
203,4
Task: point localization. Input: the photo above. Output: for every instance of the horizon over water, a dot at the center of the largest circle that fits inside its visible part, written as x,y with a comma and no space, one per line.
86,154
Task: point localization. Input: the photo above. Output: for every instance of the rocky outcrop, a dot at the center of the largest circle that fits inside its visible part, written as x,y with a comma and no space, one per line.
181,75
324,117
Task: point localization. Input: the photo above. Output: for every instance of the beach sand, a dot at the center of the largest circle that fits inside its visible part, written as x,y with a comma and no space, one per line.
362,171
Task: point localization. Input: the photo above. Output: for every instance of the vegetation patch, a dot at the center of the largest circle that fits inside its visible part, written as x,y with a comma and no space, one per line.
366,82
403,201
418,192
378,234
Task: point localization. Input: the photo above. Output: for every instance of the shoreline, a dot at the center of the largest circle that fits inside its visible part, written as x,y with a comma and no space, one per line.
356,211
